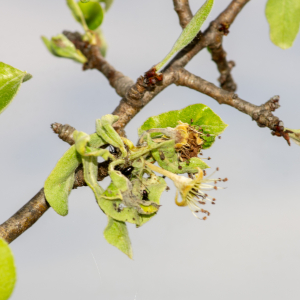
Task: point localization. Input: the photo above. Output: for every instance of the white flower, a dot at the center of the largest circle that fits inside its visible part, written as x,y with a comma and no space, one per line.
192,191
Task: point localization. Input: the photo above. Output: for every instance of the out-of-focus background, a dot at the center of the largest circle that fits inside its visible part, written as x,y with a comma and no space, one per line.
249,248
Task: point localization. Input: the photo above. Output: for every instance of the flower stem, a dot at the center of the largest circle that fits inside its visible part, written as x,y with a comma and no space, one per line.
161,171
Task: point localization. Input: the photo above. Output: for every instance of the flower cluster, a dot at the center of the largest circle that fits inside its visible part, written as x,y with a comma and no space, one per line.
192,190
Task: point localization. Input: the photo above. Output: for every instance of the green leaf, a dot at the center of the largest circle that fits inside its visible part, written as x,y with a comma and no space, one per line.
155,186
61,46
48,45
10,83
90,167
201,115
189,32
60,181
77,13
119,180
8,273
284,20
294,136
112,205
93,14
116,234
59,184
109,204
105,130
82,140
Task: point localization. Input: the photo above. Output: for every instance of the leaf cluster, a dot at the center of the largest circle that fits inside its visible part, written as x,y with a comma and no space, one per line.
134,193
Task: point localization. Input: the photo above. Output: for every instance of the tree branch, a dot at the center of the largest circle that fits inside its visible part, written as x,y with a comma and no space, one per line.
219,57
261,114
212,37
182,7
128,107
136,96
117,80
230,13
24,218
223,22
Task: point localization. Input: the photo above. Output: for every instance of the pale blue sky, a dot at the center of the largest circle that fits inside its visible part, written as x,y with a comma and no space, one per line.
247,249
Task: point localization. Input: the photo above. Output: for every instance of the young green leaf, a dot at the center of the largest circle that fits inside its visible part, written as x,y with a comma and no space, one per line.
284,20
199,114
59,184
77,13
113,202
8,274
105,130
60,181
189,32
116,234
110,200
93,14
154,187
112,205
61,46
90,167
10,83
82,140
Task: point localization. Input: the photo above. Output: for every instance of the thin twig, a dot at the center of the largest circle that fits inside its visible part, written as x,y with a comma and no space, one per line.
261,114
65,132
117,80
219,57
24,218
212,37
182,7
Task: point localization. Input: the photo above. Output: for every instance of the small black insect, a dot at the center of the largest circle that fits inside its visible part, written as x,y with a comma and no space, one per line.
145,195
120,208
127,171
113,150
